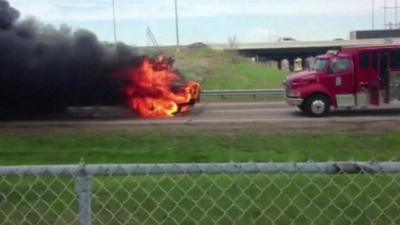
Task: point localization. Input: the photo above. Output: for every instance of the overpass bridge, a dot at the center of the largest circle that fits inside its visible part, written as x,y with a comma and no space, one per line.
291,50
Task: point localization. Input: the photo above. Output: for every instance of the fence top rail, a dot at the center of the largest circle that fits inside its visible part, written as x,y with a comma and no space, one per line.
210,168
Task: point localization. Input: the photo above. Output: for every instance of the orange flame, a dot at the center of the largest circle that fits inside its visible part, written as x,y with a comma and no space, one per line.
157,91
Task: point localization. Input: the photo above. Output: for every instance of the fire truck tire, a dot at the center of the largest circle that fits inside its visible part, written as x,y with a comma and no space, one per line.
317,106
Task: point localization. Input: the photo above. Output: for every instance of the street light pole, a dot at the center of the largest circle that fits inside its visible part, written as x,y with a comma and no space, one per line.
177,26
384,14
114,22
396,22
373,14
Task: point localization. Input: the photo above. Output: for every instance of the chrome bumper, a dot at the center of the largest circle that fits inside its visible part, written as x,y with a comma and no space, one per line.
294,101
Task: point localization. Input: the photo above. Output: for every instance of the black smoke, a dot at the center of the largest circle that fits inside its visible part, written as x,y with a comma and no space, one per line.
45,69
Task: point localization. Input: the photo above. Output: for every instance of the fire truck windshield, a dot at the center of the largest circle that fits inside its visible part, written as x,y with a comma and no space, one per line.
320,65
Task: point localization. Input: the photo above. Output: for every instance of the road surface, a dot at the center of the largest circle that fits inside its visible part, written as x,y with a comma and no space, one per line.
263,117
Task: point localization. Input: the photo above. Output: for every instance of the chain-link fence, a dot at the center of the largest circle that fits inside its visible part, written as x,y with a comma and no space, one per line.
249,193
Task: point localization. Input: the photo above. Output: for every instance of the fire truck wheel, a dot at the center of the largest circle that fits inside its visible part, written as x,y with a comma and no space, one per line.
317,106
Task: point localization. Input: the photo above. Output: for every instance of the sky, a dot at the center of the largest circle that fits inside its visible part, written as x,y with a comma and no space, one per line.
210,21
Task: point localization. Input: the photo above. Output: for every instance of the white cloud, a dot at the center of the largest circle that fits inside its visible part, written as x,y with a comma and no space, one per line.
136,9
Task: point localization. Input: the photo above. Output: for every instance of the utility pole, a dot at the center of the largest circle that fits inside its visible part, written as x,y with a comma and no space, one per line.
177,26
384,13
390,24
114,22
396,22
373,14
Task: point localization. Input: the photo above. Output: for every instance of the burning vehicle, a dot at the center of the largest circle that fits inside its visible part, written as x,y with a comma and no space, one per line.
46,69
155,89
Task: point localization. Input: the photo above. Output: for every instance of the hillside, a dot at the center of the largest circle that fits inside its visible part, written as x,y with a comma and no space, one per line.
219,70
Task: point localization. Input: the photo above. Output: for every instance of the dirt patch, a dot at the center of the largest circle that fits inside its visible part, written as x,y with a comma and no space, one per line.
76,127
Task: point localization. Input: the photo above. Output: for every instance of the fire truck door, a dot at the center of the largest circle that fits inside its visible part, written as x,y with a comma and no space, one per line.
342,81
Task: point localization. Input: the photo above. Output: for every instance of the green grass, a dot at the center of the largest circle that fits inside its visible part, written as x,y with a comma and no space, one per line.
210,99
218,70
230,199
159,147
202,199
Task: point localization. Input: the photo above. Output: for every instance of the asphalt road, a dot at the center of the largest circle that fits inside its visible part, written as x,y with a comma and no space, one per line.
281,112
264,117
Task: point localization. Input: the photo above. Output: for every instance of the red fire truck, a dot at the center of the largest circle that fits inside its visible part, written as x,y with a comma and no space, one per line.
354,77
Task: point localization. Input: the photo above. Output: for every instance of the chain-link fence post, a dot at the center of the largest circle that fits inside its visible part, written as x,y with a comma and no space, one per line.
84,192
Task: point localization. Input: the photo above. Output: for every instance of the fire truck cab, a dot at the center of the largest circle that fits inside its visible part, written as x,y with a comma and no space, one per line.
354,77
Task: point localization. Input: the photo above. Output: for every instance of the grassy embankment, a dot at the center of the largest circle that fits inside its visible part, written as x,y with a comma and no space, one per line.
219,70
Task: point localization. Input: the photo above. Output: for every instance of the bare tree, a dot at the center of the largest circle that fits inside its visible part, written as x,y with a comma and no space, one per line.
232,42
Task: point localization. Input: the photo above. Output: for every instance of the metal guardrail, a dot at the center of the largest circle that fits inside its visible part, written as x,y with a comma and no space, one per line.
244,93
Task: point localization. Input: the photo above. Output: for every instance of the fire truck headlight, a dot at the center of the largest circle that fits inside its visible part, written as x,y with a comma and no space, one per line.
294,94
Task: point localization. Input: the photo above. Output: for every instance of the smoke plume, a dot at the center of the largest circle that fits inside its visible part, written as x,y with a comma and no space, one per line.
44,69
